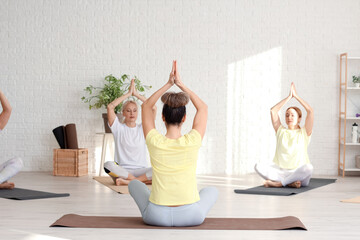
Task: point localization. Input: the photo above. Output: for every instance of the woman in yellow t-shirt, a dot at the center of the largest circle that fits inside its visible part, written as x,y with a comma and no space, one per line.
174,199
291,167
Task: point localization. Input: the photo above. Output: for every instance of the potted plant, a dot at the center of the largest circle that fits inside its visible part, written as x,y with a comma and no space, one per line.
356,80
113,88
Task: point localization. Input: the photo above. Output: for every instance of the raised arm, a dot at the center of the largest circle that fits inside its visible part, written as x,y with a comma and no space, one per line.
275,119
309,121
6,110
111,107
200,119
147,115
141,97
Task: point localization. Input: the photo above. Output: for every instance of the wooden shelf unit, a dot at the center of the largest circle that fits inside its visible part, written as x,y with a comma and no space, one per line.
343,117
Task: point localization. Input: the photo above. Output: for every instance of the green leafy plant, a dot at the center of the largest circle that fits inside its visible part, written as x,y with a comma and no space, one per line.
356,79
112,89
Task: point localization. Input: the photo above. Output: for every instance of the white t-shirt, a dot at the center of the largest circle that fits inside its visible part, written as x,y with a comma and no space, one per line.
130,147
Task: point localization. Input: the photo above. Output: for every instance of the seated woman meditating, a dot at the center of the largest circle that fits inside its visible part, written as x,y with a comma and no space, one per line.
174,199
291,167
11,167
130,148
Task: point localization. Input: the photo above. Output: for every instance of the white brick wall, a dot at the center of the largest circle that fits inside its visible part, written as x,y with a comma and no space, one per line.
51,50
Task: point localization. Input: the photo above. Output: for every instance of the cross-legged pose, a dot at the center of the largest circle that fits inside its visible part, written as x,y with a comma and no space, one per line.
291,167
130,148
11,167
174,199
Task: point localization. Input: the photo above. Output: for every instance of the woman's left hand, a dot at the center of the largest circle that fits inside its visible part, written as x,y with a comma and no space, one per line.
177,76
172,74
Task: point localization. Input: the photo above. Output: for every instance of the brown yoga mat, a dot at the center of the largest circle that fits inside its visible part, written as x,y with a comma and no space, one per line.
283,223
351,200
71,136
107,181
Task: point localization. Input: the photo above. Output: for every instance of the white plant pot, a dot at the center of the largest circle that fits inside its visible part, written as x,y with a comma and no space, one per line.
357,84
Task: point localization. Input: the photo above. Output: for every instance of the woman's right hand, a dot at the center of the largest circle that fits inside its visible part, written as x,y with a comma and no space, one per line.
172,74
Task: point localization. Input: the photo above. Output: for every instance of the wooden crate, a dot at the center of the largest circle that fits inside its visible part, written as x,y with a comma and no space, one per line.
71,162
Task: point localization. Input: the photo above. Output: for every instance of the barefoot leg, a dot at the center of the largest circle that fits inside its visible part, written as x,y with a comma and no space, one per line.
142,178
7,185
120,182
269,183
296,184
148,182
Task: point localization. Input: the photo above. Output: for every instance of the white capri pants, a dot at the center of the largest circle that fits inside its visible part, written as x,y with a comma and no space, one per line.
116,171
285,176
10,168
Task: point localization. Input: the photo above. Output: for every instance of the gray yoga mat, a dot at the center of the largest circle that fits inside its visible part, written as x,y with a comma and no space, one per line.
27,194
286,191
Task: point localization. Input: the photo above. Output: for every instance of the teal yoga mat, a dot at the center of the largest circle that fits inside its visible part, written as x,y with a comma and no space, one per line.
286,191
27,194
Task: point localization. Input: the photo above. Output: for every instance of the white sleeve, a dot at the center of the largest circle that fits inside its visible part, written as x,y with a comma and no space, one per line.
116,126
140,129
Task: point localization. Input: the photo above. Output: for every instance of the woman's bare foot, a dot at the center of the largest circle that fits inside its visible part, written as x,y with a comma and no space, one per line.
149,182
7,185
296,184
120,182
269,183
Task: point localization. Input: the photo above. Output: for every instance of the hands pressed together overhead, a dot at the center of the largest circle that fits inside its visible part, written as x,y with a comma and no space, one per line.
174,77
293,91
132,89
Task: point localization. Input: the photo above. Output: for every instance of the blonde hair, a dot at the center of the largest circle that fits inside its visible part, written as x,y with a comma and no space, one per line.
127,103
122,120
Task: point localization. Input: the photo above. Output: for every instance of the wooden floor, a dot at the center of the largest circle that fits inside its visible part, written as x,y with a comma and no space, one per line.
320,210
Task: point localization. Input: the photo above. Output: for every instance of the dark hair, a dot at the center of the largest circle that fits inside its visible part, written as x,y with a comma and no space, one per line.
174,107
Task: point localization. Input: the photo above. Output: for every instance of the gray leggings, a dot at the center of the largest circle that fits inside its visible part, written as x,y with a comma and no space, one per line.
186,215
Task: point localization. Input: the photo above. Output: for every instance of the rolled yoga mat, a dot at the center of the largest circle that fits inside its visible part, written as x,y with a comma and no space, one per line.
71,136
286,191
27,194
351,200
78,221
59,133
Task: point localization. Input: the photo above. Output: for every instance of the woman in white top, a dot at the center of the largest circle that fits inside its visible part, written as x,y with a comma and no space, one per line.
291,167
130,148
11,167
